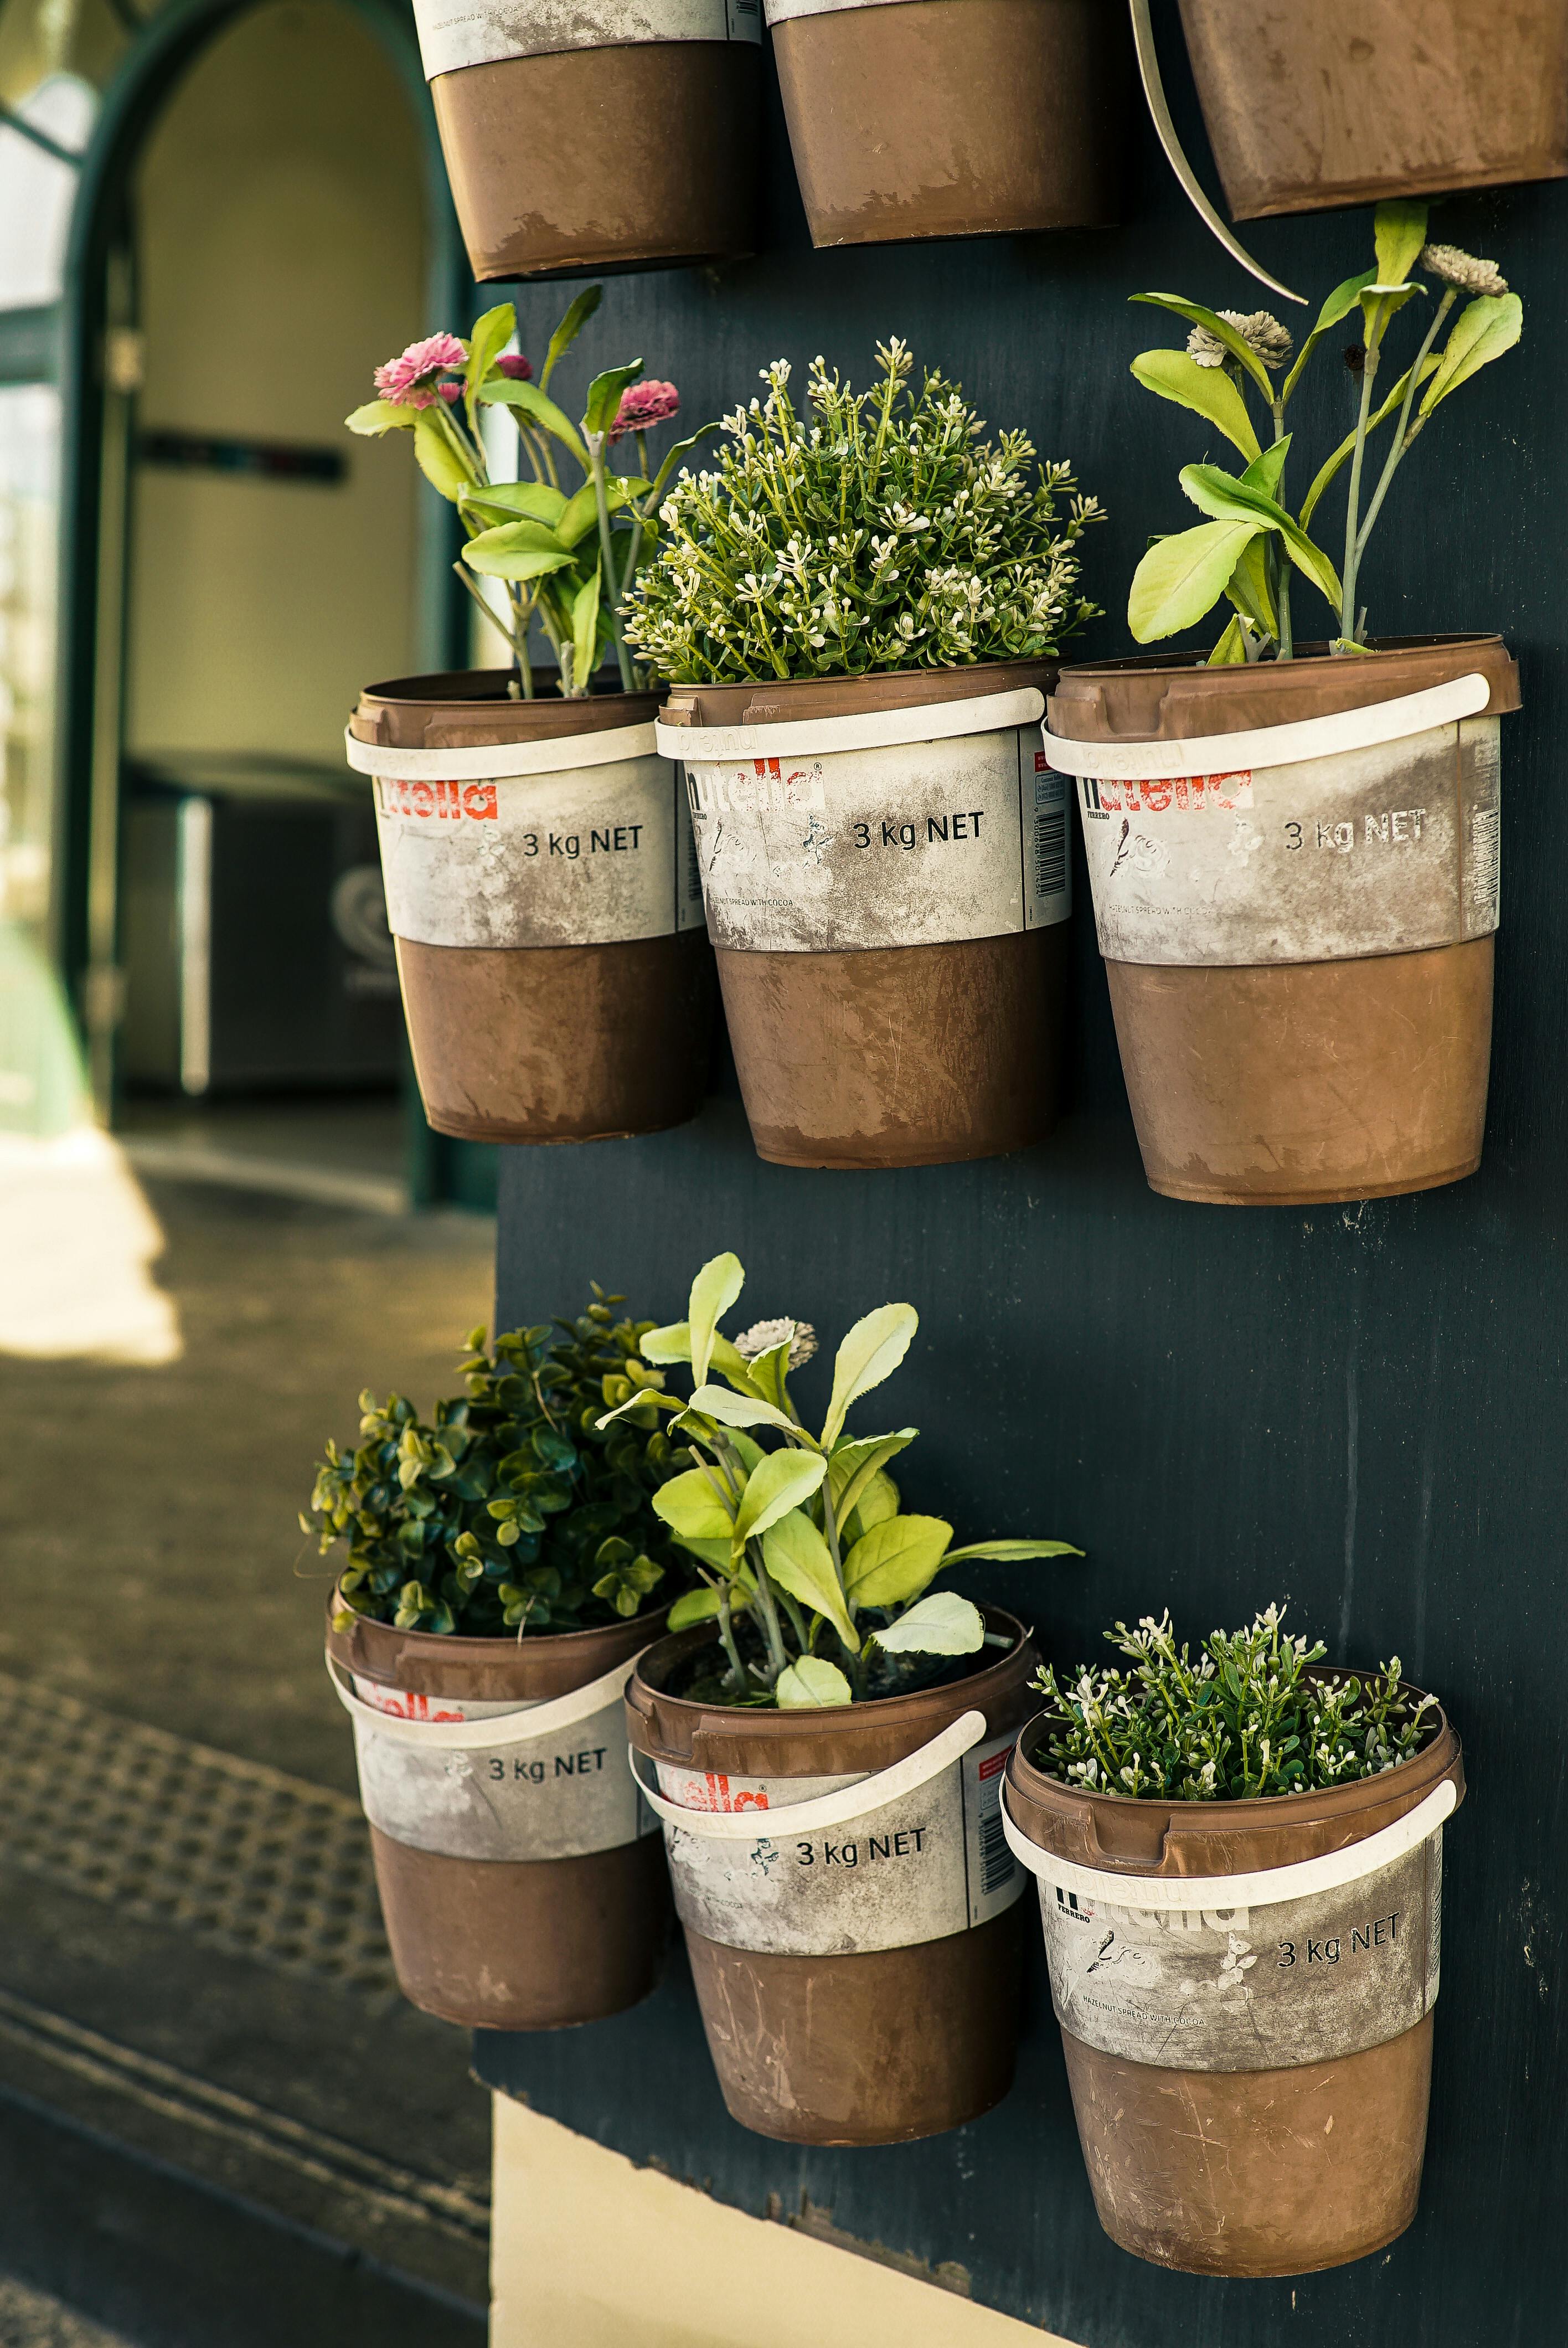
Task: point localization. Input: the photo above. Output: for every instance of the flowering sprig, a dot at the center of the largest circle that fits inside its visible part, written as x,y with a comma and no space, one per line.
1251,543
563,559
1249,1716
880,531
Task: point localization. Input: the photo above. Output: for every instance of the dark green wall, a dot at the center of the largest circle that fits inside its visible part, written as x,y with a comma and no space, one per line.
1358,1408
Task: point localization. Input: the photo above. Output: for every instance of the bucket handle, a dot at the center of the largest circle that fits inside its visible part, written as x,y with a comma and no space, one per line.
520,1728
1175,154
1399,720
499,762
867,729
1264,1889
872,1793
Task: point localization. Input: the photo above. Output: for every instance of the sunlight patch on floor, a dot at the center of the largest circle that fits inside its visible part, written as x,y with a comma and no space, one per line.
77,1246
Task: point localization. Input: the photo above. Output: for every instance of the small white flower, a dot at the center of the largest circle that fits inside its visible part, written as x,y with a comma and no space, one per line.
763,1336
1462,268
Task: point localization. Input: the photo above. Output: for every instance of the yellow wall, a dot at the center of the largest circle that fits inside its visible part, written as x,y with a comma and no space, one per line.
282,241
589,2251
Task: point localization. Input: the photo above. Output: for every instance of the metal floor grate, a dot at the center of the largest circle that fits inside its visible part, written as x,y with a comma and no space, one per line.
255,1862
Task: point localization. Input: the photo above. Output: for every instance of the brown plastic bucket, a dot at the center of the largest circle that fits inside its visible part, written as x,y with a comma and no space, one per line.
579,1040
1354,101
635,155
889,918
953,118
1234,2165
1299,954
846,2043
506,1944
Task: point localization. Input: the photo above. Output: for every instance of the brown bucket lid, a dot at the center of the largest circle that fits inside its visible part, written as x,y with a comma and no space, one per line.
840,1740
461,709
1164,697
495,1670
795,701
1128,1837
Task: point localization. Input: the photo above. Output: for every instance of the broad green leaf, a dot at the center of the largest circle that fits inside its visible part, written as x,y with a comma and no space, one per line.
799,1561
581,310
1238,346
634,1403
490,336
531,402
811,1683
585,616
1209,391
853,1466
1267,467
1011,1552
877,1502
713,1292
742,1410
1183,577
672,458
716,1554
1345,449
871,1352
673,1343
942,1624
604,396
378,416
1231,650
1483,330
895,1559
536,499
581,514
1225,499
1340,304
1249,589
693,1606
438,460
691,1506
496,553
781,1483
1398,233
524,536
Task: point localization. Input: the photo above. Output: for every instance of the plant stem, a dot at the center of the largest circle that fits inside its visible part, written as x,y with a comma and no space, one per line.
601,498
494,617
1401,444
1285,640
769,1614
1353,506
727,1634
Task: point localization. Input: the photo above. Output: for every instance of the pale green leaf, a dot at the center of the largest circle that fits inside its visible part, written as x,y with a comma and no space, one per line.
1208,391
1484,329
581,311
811,1683
693,1606
438,460
634,1403
1231,650
378,416
1225,499
1222,330
1182,578
581,512
799,1561
942,1624
714,1553
1249,590
782,1481
501,391
490,336
1398,233
871,1352
604,396
536,499
673,1343
1340,304
854,1464
692,1506
1012,1553
877,1502
894,1561
585,616
713,1291
743,1410
673,456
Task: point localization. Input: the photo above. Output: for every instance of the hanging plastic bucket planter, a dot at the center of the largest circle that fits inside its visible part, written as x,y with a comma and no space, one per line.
540,887
521,1879
1245,1991
952,117
1353,101
848,1902
605,134
883,860
1295,868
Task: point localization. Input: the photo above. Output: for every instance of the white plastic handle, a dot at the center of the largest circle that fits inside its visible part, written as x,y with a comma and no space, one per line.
1272,745
502,1728
1265,1888
873,1793
871,729
499,761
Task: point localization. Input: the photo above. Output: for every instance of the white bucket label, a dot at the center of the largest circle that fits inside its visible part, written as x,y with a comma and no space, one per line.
586,857
929,1864
919,844
1387,850
1258,1988
781,11
458,33
553,1797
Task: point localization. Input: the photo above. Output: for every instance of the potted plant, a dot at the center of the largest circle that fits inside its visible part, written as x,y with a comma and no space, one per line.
826,1733
952,117
859,611
504,1566
556,978
1346,102
1240,1865
1294,847
614,134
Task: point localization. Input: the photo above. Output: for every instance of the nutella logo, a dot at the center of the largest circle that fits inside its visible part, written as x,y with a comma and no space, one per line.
711,1791
400,1703
446,802
764,786
1181,792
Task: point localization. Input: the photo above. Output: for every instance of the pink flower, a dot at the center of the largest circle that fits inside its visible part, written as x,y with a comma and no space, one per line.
451,391
643,404
410,381
514,368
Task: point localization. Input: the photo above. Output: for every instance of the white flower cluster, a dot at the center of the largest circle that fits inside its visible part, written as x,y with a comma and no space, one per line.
885,533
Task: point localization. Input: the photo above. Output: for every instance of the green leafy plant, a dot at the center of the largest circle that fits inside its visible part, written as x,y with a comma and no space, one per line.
801,1538
1250,1715
512,1510
1251,545
882,534
566,558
